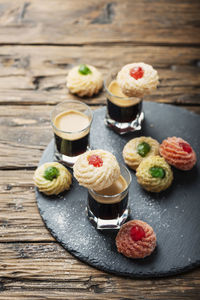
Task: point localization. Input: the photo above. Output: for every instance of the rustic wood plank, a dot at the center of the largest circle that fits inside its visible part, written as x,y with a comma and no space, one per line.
37,74
30,269
20,219
137,21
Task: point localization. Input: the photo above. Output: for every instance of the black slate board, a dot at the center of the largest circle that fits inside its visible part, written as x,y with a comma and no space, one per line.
174,214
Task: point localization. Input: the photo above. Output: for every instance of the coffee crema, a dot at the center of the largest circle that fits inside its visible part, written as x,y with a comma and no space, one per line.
71,131
116,188
122,108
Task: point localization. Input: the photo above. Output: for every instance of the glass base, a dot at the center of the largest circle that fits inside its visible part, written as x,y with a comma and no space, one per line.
102,224
66,160
69,161
123,128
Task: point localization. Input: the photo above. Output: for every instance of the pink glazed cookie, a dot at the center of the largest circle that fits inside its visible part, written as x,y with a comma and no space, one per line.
178,153
136,239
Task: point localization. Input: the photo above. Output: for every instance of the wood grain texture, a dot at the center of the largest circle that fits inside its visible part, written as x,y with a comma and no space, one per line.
47,271
92,21
37,74
40,41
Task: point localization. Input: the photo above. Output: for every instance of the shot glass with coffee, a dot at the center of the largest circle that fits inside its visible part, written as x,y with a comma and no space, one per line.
108,208
71,121
124,114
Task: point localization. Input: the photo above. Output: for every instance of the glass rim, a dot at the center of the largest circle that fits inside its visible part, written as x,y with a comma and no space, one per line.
116,195
72,101
111,94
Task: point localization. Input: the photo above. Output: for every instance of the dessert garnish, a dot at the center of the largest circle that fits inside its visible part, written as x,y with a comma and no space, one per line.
84,70
186,147
51,173
95,160
137,233
136,72
143,148
157,172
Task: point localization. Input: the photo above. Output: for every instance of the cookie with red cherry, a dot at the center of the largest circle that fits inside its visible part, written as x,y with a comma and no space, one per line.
178,153
96,169
136,239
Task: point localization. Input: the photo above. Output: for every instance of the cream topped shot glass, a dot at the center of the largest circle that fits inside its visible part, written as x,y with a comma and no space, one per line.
71,121
107,183
125,90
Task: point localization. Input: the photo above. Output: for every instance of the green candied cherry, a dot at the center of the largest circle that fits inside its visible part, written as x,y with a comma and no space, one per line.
51,173
143,148
157,172
84,70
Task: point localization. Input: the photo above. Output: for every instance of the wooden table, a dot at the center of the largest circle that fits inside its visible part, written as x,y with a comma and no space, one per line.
40,42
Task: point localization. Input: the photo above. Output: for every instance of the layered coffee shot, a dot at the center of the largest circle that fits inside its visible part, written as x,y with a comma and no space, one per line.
125,90
109,203
121,108
71,131
108,186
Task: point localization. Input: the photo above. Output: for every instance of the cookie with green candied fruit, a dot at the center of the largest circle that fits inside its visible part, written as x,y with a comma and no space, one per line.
52,178
137,149
154,174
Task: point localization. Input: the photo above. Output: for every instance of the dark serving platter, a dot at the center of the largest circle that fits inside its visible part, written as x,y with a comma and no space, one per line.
174,214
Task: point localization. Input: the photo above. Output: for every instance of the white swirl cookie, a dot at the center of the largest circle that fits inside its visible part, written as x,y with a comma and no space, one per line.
96,169
137,79
154,174
138,149
52,178
84,80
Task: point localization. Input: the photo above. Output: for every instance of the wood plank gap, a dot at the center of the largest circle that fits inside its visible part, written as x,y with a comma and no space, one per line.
29,242
31,168
108,44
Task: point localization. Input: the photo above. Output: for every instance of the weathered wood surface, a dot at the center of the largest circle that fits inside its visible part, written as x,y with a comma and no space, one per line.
37,75
47,271
40,41
93,22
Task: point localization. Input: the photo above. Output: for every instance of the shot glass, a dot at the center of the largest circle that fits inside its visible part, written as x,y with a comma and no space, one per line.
71,121
124,114
109,211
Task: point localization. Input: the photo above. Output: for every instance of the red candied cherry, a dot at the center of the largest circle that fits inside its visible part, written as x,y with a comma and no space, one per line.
95,160
136,72
137,233
186,147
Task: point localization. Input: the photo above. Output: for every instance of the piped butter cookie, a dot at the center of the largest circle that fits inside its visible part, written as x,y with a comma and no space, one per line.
154,174
137,79
178,153
96,169
52,178
84,80
138,149
136,239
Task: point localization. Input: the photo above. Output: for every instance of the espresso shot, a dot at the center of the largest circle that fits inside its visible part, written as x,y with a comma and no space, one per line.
109,208
76,141
71,121
120,108
124,114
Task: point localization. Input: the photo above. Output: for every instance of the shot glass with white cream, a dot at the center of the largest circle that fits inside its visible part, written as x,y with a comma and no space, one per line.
71,121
